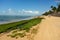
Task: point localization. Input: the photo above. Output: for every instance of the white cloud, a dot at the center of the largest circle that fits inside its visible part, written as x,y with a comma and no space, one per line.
36,12
32,12
19,12
28,11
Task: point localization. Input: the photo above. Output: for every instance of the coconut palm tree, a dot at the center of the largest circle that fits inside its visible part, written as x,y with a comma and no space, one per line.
54,9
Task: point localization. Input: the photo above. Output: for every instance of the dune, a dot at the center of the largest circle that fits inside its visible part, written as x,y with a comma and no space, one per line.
49,29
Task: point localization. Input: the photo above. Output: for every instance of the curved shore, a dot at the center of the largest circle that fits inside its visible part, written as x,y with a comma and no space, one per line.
49,29
16,20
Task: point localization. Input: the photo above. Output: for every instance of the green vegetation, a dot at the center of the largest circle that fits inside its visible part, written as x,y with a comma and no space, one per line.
22,25
34,31
31,23
22,29
17,35
11,26
47,13
58,9
53,10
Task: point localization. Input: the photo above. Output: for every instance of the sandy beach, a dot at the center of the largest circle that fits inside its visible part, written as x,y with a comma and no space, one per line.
49,29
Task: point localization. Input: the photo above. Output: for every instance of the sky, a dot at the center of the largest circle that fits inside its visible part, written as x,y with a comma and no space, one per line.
25,7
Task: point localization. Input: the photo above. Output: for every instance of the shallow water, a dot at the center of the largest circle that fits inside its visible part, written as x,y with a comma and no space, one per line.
8,19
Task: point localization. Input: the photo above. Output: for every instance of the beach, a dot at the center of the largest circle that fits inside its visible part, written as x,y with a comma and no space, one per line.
49,29
15,20
29,19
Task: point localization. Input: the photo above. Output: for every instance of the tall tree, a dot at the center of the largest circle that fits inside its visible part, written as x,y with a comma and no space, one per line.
58,9
54,9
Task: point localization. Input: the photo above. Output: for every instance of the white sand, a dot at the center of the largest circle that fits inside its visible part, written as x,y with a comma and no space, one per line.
49,29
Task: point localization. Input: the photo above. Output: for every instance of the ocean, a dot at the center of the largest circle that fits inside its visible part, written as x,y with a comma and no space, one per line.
8,19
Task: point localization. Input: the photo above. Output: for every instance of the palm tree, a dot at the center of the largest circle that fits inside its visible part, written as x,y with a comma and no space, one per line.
58,9
54,9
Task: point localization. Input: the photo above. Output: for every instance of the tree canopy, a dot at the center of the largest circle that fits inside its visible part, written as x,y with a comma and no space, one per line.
53,10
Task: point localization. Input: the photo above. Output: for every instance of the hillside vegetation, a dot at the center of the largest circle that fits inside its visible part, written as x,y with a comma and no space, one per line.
22,25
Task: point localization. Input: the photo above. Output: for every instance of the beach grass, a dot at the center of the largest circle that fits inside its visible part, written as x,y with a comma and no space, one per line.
31,23
5,27
22,25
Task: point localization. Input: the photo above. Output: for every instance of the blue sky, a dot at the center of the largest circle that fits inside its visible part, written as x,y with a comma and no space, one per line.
25,7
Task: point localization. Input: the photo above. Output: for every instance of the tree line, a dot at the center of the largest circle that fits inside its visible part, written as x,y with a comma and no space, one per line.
53,10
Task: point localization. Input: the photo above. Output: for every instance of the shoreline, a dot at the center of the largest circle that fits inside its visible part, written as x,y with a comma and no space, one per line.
16,20
48,29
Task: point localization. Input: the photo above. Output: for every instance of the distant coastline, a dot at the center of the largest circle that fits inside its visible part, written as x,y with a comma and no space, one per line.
15,20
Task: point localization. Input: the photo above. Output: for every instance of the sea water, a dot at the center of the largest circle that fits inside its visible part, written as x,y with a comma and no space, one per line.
8,18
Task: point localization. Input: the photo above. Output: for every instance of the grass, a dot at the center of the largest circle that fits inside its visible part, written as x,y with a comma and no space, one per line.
5,27
31,23
34,31
22,25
